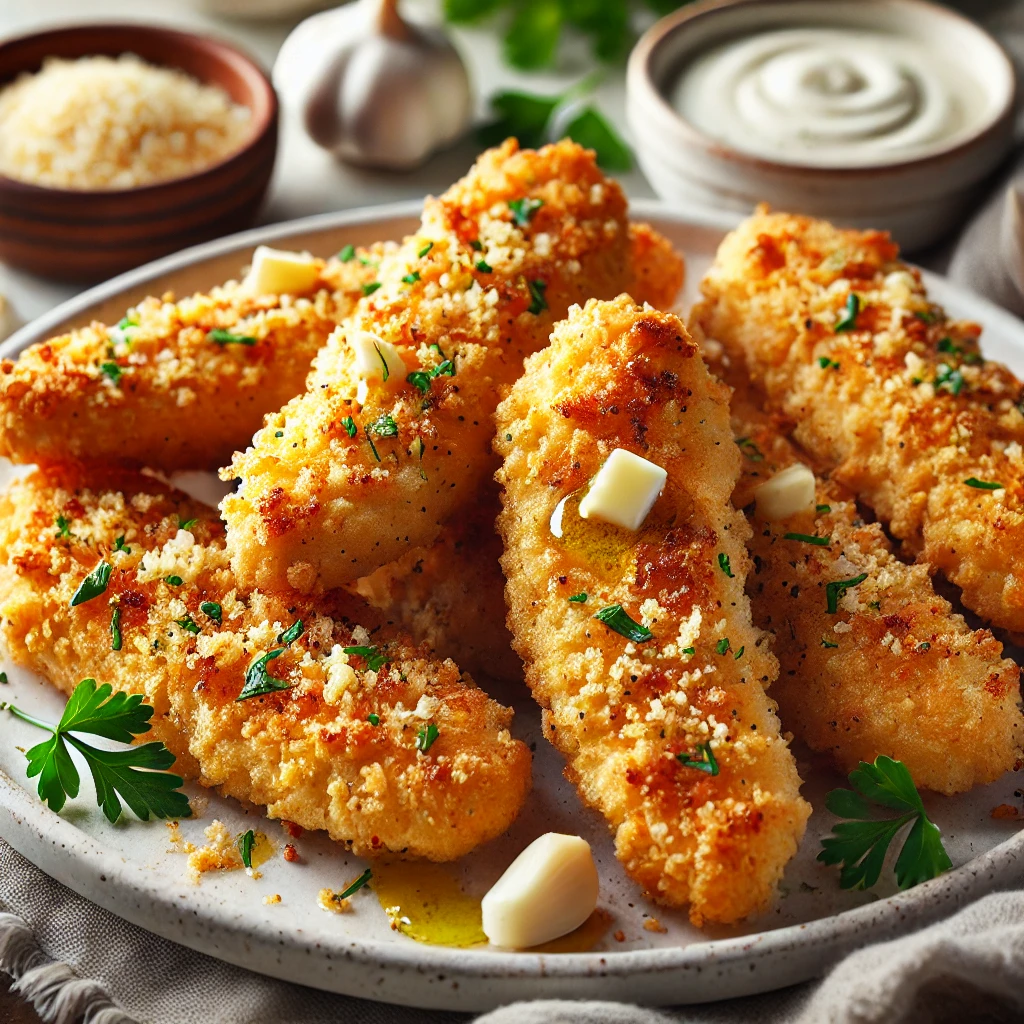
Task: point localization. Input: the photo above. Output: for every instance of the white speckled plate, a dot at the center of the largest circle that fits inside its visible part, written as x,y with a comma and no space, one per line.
129,869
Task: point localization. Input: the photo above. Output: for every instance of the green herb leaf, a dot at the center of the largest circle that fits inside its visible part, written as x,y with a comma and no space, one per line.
423,252
537,301
722,647
835,590
690,651
115,628
246,841
356,885
350,426
477,246
213,610
292,633
112,372
859,845
983,485
371,655
825,363
373,718
723,564
3,678
63,526
739,653
616,619
822,508
120,546
186,524
227,338
828,643
806,538
259,681
579,598
411,278
93,585
347,254
173,581
593,131
703,760
136,775
484,267
532,36
523,210
750,449
370,287
848,319
188,624
950,379
383,426
426,736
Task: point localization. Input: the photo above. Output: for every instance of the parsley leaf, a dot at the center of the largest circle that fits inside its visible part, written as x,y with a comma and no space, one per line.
822,508
411,278
350,426
112,372
372,655
173,581
806,538
115,628
616,619
371,287
259,681
533,34
423,252
949,378
860,844
119,545
723,564
722,647
848,318
827,364
213,610
246,841
828,643
579,598
750,449
835,590
421,379
593,131
347,254
188,624
292,633
383,426
537,301
983,485
523,210
115,773
93,585
186,524
227,338
63,526
703,760
484,267
426,736
373,718
356,885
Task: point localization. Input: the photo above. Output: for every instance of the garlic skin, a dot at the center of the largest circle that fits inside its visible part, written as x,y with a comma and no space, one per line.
372,88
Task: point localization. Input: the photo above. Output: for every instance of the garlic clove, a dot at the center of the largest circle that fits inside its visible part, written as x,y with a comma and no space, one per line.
786,493
550,889
278,272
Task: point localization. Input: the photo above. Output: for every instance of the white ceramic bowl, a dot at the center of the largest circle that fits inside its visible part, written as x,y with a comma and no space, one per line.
918,200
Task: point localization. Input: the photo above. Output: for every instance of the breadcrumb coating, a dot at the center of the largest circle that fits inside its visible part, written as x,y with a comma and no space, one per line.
156,390
344,480
894,670
312,753
627,713
888,394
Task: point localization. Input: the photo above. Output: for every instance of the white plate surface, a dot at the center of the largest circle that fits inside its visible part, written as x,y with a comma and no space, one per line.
130,869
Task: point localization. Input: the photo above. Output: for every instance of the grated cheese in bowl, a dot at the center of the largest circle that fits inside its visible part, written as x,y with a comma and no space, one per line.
105,123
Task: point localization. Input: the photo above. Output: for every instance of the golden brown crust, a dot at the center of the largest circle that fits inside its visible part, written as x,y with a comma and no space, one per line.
309,753
625,714
901,409
179,400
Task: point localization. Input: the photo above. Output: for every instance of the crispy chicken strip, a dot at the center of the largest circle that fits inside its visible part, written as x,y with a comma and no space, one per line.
346,478
673,739
349,747
888,394
894,670
157,390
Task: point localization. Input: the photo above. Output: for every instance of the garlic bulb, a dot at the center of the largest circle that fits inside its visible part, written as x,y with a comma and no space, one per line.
372,88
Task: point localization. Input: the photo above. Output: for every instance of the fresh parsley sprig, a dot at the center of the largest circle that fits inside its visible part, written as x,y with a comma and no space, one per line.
137,775
616,619
859,846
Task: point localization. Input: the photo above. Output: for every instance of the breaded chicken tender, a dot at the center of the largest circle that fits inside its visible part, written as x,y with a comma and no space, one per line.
670,735
893,670
888,394
373,459
386,747
175,385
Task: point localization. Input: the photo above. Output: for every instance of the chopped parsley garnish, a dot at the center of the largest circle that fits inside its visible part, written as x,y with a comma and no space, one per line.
112,372
188,624
616,619
350,426
246,841
278,433
423,252
115,628
822,508
63,526
119,334
373,718
292,633
739,653
579,598
926,316
806,538
827,364
373,447
848,319
372,656
750,449
421,378
383,426
947,345
703,760
213,610
723,564
227,338
484,267
828,643
370,287
835,590
186,524
524,209
356,885
476,245
411,278
722,646
173,581
114,716
3,678
949,378
983,485
119,545
924,646
537,301
427,736
93,585
347,254
690,650
859,845
259,681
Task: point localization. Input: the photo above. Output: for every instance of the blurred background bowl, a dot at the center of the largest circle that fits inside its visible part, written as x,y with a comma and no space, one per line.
88,235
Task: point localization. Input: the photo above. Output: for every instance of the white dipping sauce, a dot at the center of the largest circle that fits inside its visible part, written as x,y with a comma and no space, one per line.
830,98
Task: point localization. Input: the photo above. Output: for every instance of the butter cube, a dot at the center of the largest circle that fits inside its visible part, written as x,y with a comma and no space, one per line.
375,358
277,272
787,493
624,490
550,889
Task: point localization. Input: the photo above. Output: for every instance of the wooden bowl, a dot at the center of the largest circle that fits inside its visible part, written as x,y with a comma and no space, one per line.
89,235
